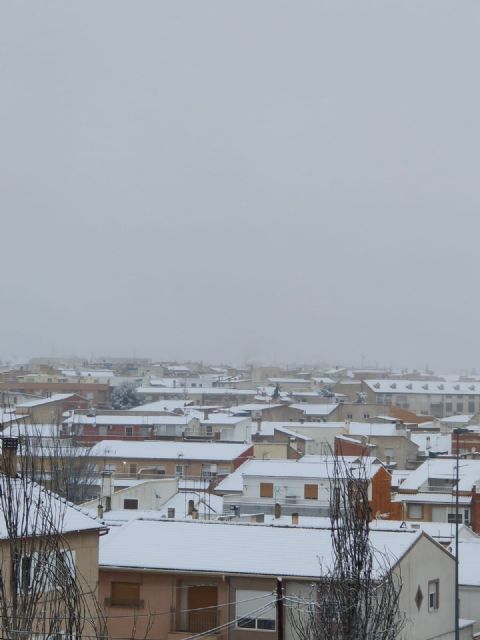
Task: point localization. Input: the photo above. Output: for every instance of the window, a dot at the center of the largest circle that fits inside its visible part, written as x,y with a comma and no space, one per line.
415,511
129,431
125,594
179,470
466,516
433,591
130,503
266,490
53,569
310,492
451,517
459,407
448,407
255,610
25,569
471,406
132,468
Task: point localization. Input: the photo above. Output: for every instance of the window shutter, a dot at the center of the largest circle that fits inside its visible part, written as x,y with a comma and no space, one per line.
266,490
311,492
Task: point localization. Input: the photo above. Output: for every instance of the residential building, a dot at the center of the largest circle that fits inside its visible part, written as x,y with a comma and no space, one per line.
51,409
433,398
98,394
230,586
298,486
429,493
175,459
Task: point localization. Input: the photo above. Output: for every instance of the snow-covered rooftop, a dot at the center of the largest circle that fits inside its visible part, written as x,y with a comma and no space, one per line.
423,387
437,442
311,409
149,420
214,391
200,546
161,406
168,450
319,469
469,563
435,468
40,511
56,397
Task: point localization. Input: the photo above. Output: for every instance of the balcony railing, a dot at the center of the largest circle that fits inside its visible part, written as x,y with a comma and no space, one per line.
197,621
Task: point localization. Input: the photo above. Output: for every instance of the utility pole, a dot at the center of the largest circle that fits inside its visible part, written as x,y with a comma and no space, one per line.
457,433
279,607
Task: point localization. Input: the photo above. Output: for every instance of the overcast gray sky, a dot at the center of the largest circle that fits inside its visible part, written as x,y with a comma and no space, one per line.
279,181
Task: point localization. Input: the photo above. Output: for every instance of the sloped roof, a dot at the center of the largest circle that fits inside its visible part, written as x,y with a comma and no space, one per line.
233,548
423,387
321,468
310,409
168,450
469,473
56,397
36,505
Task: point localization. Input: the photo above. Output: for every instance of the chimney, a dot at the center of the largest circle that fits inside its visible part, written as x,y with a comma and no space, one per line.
107,489
171,512
294,518
206,413
9,455
259,424
278,511
100,510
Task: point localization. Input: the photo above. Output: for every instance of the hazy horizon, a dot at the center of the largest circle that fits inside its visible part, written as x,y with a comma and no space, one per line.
277,182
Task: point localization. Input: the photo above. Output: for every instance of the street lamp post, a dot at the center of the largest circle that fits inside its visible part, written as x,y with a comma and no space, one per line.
457,433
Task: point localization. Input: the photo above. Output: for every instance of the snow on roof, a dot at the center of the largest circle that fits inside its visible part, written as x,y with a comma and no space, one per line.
289,381
56,397
373,429
293,434
88,373
168,450
32,430
459,419
129,419
268,426
223,418
62,516
433,442
423,387
399,475
253,406
469,562
224,391
233,548
161,405
433,498
320,468
310,409
323,380
439,530
435,468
